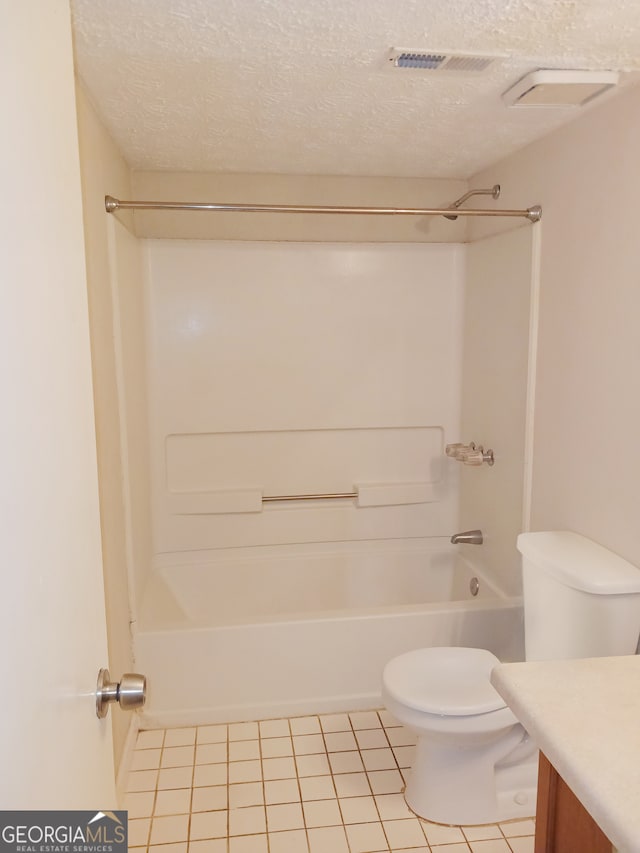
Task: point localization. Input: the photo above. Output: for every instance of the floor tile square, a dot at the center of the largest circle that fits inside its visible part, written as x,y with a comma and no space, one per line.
328,838
165,830
317,788
393,807
322,813
340,741
180,737
248,844
282,791
274,728
276,747
278,768
312,765
138,832
387,719
522,844
177,756
335,723
142,780
404,755
152,739
400,737
210,845
423,849
496,845
451,848
359,810
246,794
290,841
437,834
243,771
173,802
209,774
366,837
404,833
243,731
211,734
386,781
139,804
175,777
176,847
514,828
146,759
365,720
286,816
304,725
211,753
352,785
244,750
345,762
208,799
247,821
372,739
378,759
308,744
480,833
208,825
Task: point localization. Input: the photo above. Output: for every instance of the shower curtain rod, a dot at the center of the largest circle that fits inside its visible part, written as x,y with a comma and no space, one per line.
533,214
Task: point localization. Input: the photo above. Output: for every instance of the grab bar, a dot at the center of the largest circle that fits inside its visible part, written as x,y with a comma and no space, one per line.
268,498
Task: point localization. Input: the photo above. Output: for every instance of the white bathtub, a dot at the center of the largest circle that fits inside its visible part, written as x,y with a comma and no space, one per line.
252,636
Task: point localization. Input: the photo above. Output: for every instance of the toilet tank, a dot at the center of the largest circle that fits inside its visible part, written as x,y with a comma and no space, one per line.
580,600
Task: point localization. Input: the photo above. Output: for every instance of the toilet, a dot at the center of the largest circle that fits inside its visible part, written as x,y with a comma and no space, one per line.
474,762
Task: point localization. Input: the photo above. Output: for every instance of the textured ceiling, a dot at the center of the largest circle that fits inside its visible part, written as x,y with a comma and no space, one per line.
303,86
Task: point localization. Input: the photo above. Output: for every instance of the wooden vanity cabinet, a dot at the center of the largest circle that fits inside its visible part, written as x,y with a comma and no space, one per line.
563,825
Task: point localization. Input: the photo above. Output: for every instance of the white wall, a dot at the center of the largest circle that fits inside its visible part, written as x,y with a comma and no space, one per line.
587,419
301,368
497,313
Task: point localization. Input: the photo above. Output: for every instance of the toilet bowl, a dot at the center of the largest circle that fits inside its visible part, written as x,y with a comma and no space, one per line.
474,762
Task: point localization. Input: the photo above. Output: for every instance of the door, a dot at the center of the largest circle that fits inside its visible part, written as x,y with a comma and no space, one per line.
54,752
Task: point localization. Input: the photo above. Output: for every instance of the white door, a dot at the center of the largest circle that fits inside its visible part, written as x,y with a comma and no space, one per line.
54,752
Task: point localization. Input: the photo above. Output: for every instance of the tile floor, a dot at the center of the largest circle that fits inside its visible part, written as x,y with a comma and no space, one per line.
317,784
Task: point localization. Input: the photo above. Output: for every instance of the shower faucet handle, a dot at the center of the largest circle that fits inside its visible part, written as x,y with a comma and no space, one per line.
477,457
456,451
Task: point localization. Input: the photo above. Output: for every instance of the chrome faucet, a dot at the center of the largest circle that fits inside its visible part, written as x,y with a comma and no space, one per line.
469,537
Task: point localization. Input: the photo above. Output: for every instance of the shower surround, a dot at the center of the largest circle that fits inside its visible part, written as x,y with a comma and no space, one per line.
330,375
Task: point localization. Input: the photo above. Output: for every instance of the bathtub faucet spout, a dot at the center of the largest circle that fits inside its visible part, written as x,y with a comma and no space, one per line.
469,537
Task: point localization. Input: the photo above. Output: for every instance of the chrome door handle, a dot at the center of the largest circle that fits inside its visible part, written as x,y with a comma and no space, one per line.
130,692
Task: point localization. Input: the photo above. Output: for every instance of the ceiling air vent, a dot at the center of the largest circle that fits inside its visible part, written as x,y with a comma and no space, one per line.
433,61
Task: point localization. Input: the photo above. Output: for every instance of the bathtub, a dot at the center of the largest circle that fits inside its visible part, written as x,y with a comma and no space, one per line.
255,635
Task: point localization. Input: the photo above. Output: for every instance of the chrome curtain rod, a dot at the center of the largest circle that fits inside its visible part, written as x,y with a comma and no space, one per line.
533,214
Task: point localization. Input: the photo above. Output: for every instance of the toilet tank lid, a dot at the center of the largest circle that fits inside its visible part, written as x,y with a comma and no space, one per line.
580,563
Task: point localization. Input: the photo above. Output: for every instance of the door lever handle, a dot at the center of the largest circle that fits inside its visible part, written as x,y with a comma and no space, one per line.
130,692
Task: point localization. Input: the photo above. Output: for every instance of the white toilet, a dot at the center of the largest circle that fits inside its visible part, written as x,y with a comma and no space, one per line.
474,762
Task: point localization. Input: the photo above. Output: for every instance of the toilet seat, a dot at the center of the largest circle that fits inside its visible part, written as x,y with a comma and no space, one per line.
444,681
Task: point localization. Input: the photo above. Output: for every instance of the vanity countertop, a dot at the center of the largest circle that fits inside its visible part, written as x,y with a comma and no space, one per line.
585,717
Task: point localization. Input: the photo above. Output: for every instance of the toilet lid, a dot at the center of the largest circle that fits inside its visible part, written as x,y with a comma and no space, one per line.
448,681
